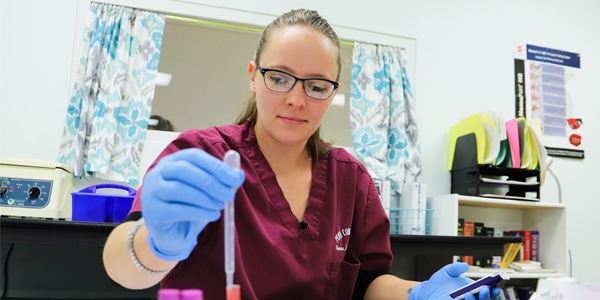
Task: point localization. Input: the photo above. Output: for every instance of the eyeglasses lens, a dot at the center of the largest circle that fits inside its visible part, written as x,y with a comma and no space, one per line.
282,82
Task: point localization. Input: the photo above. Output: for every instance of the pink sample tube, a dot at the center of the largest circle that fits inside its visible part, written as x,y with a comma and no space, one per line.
168,294
191,294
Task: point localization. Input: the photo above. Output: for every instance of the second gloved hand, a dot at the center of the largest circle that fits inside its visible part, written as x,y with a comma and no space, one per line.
182,194
447,280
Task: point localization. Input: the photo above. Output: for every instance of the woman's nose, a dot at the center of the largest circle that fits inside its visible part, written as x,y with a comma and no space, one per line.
296,96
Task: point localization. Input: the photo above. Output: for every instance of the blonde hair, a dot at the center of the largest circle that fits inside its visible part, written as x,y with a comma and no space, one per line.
310,18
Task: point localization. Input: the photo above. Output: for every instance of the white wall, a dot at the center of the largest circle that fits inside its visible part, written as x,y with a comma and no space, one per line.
35,66
464,66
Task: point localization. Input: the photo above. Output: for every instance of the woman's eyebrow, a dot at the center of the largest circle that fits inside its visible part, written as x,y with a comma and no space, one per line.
288,70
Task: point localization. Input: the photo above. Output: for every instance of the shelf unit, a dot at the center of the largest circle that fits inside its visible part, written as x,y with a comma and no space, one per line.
516,275
502,214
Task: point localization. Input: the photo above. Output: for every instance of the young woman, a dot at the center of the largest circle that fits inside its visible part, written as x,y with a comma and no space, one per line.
309,222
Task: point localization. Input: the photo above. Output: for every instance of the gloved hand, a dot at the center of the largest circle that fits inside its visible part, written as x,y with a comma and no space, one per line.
182,194
446,280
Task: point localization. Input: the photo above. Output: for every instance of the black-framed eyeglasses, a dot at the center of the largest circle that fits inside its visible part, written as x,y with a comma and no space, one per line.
280,81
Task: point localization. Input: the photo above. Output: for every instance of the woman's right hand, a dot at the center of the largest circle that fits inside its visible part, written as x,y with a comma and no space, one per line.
182,194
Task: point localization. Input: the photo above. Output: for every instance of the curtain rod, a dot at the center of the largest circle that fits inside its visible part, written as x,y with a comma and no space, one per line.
224,25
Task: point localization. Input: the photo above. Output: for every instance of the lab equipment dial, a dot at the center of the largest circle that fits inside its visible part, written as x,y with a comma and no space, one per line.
25,193
34,192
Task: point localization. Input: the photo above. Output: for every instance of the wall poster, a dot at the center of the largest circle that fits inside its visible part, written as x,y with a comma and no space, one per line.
545,89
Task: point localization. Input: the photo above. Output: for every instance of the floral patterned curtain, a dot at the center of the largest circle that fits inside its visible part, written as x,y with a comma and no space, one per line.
382,114
111,101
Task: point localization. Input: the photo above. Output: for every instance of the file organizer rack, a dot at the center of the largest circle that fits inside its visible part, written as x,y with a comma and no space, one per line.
467,176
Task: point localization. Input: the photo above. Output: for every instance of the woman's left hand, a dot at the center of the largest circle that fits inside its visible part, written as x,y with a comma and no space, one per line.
446,280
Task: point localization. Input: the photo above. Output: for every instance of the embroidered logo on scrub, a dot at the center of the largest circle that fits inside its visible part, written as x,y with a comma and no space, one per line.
342,236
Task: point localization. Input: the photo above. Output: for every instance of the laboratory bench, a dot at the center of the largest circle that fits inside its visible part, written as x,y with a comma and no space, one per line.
58,259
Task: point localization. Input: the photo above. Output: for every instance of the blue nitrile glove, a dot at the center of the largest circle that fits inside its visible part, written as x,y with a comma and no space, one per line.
182,194
446,280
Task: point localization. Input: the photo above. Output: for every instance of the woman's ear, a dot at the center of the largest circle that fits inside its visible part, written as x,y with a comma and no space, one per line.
252,76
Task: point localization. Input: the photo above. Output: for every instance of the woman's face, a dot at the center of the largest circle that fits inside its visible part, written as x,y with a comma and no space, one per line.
292,117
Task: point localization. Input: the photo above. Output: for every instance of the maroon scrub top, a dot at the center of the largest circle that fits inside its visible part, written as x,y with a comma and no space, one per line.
276,257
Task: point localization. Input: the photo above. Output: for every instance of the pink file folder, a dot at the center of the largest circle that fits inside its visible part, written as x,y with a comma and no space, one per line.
512,133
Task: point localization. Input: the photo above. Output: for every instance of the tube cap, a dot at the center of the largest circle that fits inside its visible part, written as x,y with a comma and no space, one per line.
234,292
168,294
191,294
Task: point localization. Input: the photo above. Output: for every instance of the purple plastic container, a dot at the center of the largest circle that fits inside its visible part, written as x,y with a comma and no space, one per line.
90,206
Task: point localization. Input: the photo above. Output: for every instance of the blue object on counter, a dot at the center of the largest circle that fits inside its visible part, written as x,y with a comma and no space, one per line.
90,206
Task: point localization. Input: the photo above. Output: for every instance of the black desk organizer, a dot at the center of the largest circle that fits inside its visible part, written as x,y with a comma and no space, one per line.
467,174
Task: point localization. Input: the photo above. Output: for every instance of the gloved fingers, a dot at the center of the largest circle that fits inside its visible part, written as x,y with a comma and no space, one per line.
191,173
208,196
484,293
453,272
162,217
193,229
211,165
193,214
174,241
495,292
470,296
455,269
189,230
172,247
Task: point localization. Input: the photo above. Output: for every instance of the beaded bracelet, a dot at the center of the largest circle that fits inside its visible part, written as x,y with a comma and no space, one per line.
132,255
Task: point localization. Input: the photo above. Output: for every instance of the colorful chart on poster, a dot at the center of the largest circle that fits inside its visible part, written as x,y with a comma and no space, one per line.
546,83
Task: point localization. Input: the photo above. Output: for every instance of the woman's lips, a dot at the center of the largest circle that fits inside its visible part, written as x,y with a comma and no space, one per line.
292,120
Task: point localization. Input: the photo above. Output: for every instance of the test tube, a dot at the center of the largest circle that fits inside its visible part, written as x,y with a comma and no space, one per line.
232,159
